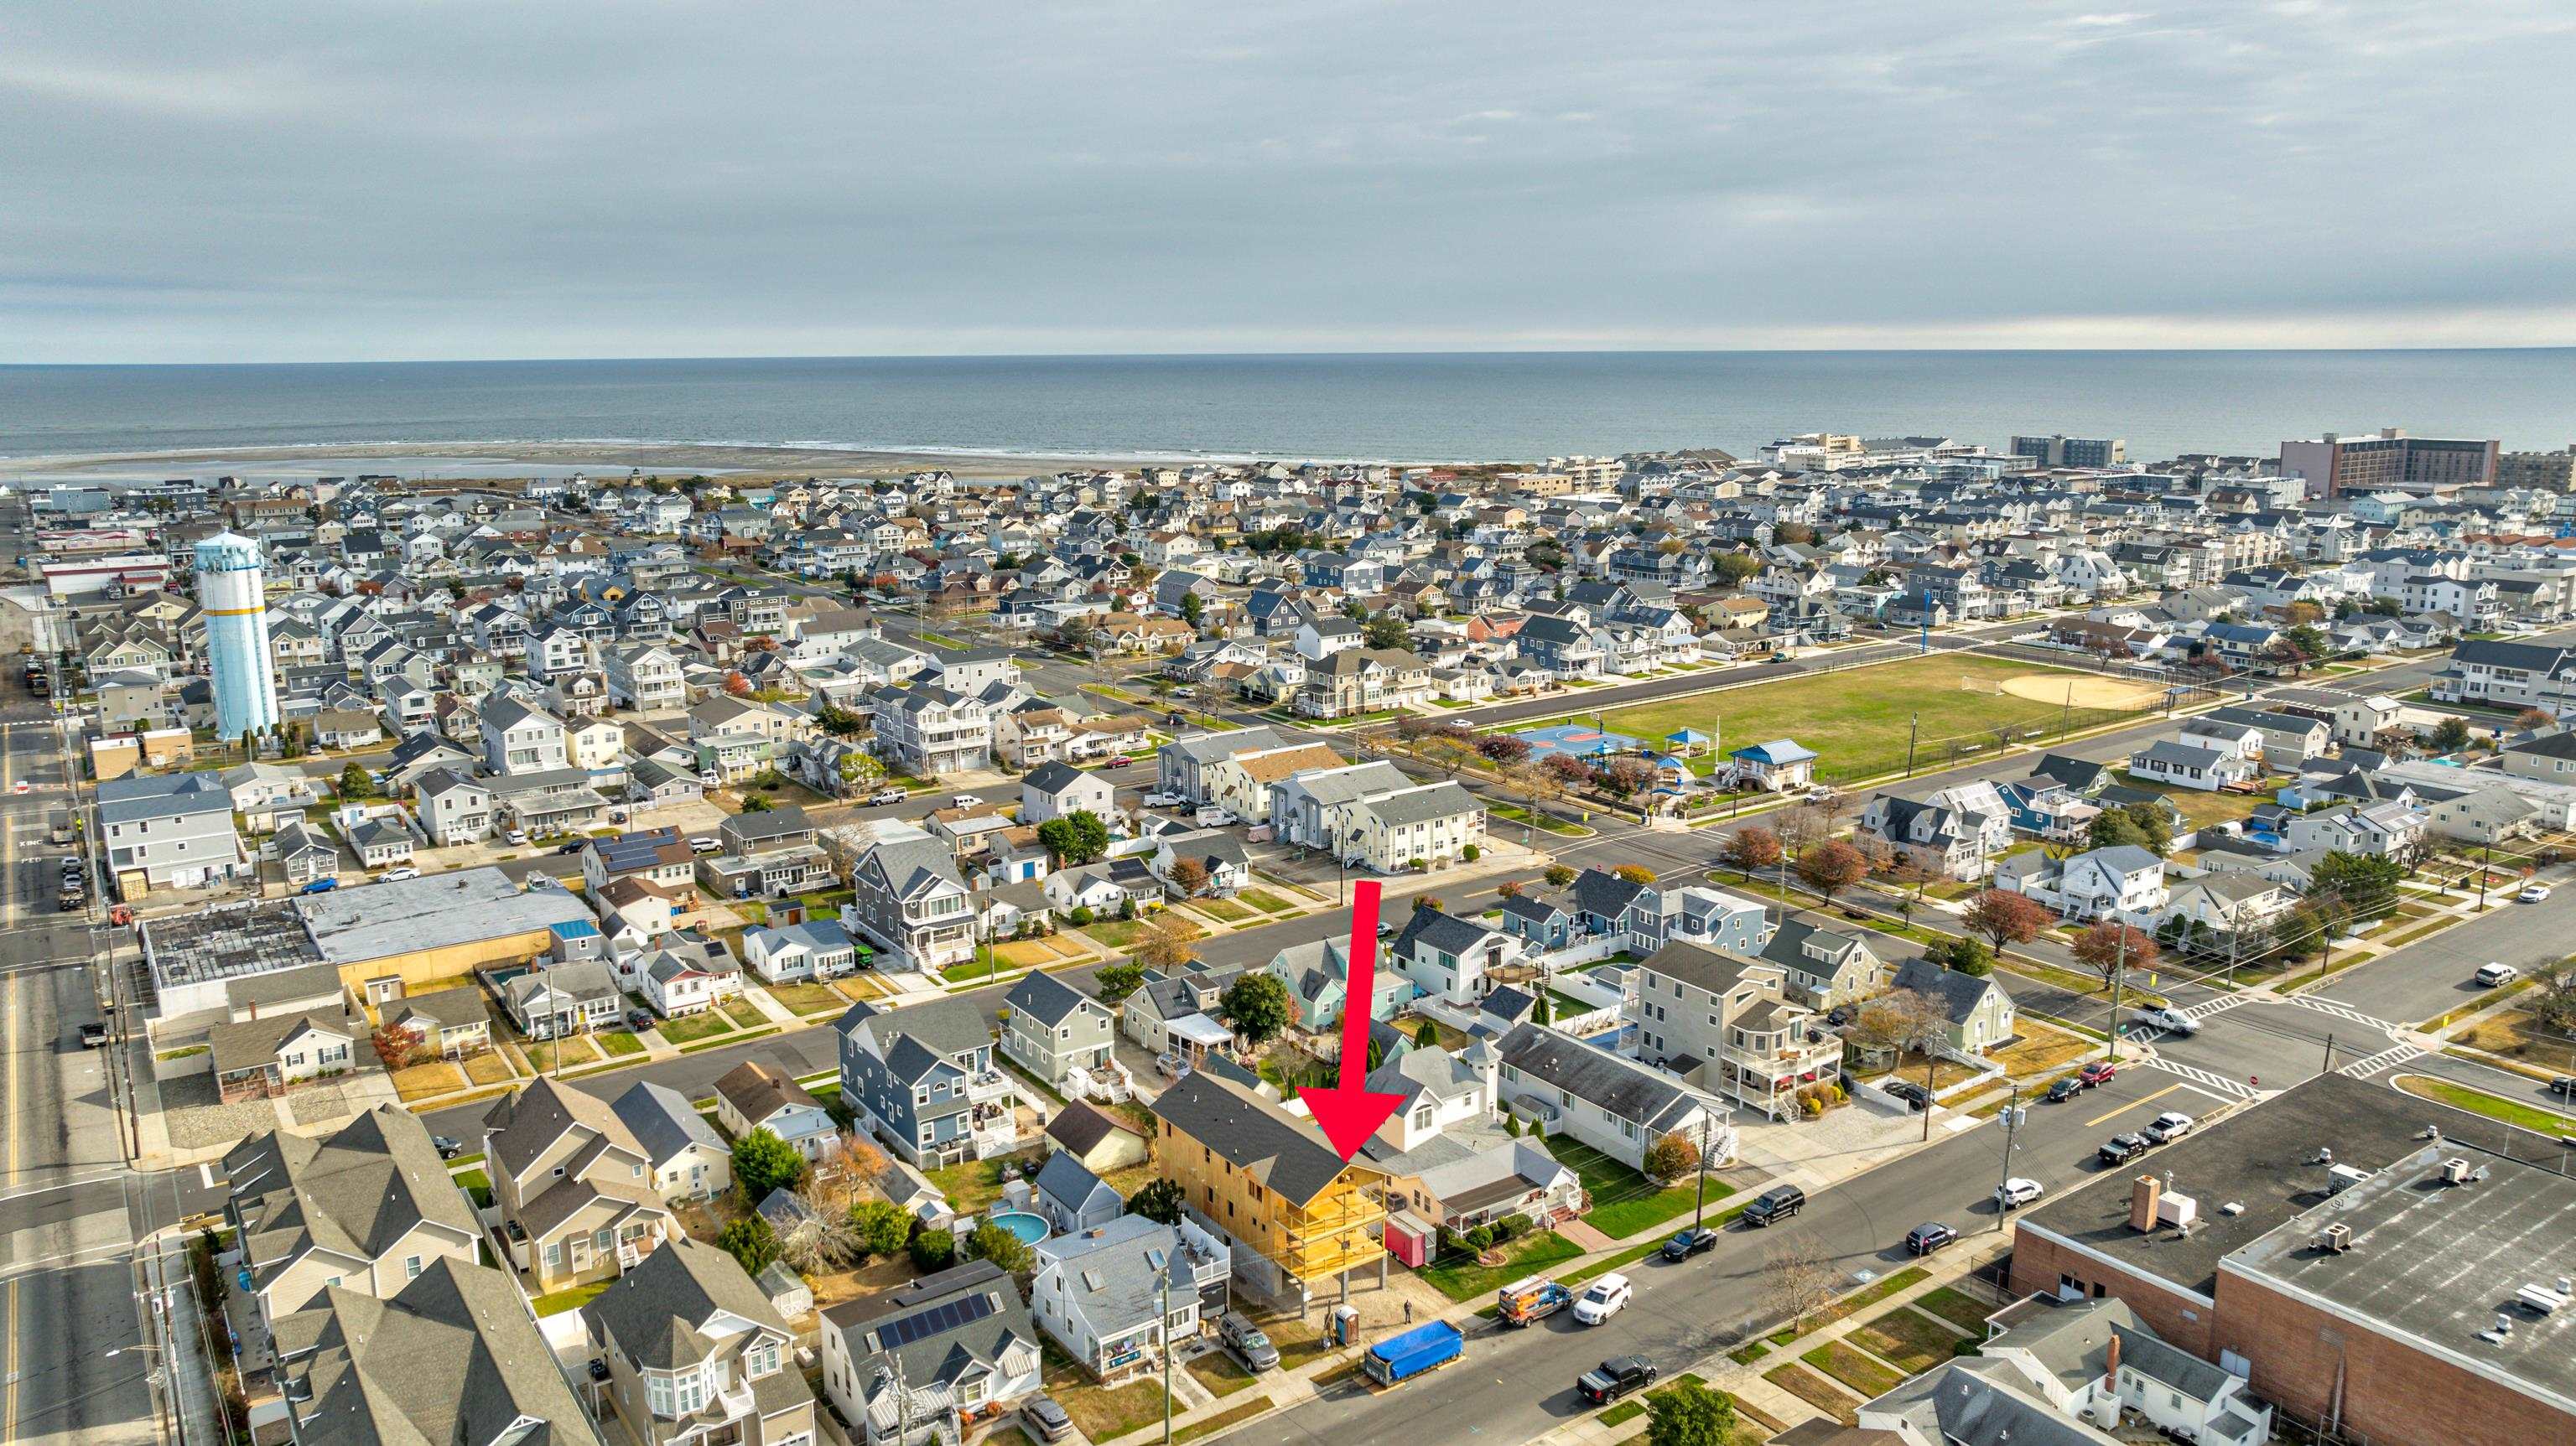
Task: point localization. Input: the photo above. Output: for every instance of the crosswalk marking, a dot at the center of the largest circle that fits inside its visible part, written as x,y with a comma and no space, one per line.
2207,1007
2380,1063
2343,1011
2215,1083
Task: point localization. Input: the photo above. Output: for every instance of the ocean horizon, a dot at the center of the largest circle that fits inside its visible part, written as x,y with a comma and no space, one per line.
1373,406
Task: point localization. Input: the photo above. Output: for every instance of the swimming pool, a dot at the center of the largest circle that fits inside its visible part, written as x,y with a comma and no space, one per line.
1030,1228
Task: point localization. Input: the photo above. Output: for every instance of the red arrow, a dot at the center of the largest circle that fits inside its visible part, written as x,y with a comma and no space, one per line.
1349,1113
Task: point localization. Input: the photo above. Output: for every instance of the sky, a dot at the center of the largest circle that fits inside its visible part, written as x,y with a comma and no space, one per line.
351,180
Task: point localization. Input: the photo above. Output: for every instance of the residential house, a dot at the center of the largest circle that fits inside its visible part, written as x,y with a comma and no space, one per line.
1317,976
1296,1213
1950,832
1613,1104
267,1055
1100,1141
1727,1024
2124,882
1057,1032
1978,1014
910,903
920,1363
367,1208
572,997
2190,763
697,1354
751,1096
1072,1198
800,953
168,831
453,807
2388,829
685,1157
444,1022
572,1185
922,1079
1118,1294
1058,790
1451,958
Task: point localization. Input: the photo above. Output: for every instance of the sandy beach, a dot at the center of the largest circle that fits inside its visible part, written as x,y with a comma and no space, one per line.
421,460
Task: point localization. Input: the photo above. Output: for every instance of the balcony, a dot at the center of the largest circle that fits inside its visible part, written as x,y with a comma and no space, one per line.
990,1087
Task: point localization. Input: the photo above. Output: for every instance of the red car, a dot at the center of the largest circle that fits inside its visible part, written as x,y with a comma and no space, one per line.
2099,1072
1120,760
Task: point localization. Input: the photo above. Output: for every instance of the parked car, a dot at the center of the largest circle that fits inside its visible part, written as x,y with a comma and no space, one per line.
2121,1149
1914,1095
572,846
2493,975
2168,1127
2018,1191
1774,1205
93,1034
2171,1021
1247,1341
1602,1299
1613,1378
1118,760
2563,1085
963,800
448,1148
2533,893
2099,1072
1689,1242
517,836
397,875
1159,799
705,843
1929,1236
888,794
319,886
2063,1088
1046,1420
639,1019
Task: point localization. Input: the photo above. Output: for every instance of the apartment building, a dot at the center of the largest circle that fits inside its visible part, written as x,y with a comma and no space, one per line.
172,831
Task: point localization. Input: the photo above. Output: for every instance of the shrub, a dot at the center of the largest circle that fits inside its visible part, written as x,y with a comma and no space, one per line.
1081,915
1471,853
1481,1238
932,1250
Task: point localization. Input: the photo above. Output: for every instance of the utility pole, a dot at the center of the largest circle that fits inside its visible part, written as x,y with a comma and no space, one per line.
2012,1124
2119,980
2329,1064
1699,1178
1166,1334
1913,727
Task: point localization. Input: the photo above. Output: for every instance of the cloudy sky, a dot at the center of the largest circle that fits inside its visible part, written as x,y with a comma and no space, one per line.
347,180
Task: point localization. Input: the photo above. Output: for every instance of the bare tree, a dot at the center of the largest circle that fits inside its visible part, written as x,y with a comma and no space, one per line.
1797,1281
1801,827
830,1240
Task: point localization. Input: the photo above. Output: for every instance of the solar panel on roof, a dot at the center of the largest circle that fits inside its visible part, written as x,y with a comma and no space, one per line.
937,1320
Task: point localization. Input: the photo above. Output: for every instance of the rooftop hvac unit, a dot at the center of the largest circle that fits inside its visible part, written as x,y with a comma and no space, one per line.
2335,1239
2455,1171
2543,1299
2343,1177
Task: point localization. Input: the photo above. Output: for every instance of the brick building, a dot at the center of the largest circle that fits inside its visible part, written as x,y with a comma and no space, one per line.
2214,1242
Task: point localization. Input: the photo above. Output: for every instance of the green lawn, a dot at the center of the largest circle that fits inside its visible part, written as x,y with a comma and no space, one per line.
1266,902
1217,1371
617,1041
1853,1369
1460,1278
2494,1107
970,1185
1909,1340
1623,1201
695,1027
1225,910
1857,719
572,1299
808,998
1964,1311
477,1184
744,1012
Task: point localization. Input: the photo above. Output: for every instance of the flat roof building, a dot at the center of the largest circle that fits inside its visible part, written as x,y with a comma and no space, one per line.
2390,462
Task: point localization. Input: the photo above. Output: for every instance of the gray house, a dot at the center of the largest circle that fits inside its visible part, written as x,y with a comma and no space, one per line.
1055,1029
1072,1198
922,1080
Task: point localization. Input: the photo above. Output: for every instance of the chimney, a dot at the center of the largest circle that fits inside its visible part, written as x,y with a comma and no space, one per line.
2145,1193
2111,1365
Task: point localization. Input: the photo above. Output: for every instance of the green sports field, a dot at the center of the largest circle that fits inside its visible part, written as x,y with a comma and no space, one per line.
1856,719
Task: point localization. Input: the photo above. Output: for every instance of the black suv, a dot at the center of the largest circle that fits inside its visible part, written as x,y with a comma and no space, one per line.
2066,1088
1914,1095
1929,1236
1614,1378
1775,1205
2121,1149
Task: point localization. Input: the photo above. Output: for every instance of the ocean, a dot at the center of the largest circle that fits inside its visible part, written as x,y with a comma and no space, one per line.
1395,407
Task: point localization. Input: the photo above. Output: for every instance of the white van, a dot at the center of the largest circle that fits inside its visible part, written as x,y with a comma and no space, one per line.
2496,974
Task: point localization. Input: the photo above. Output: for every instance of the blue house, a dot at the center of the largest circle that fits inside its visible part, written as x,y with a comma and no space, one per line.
1545,923
922,1080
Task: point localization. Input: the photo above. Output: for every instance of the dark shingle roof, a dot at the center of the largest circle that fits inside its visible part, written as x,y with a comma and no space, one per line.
1273,1147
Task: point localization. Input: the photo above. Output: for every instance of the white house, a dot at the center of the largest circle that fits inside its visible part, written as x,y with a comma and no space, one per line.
2187,763
1451,958
797,953
2123,881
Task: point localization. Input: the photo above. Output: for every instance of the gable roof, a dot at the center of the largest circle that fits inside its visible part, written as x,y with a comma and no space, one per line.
1275,1148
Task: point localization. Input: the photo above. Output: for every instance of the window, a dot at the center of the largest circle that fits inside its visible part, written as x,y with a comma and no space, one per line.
554,1252
657,1394
411,1266
602,1240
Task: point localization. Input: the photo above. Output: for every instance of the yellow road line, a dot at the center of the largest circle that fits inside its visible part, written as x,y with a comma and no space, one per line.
2133,1104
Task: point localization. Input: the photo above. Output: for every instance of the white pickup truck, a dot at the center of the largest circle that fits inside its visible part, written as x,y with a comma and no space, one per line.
2171,1021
